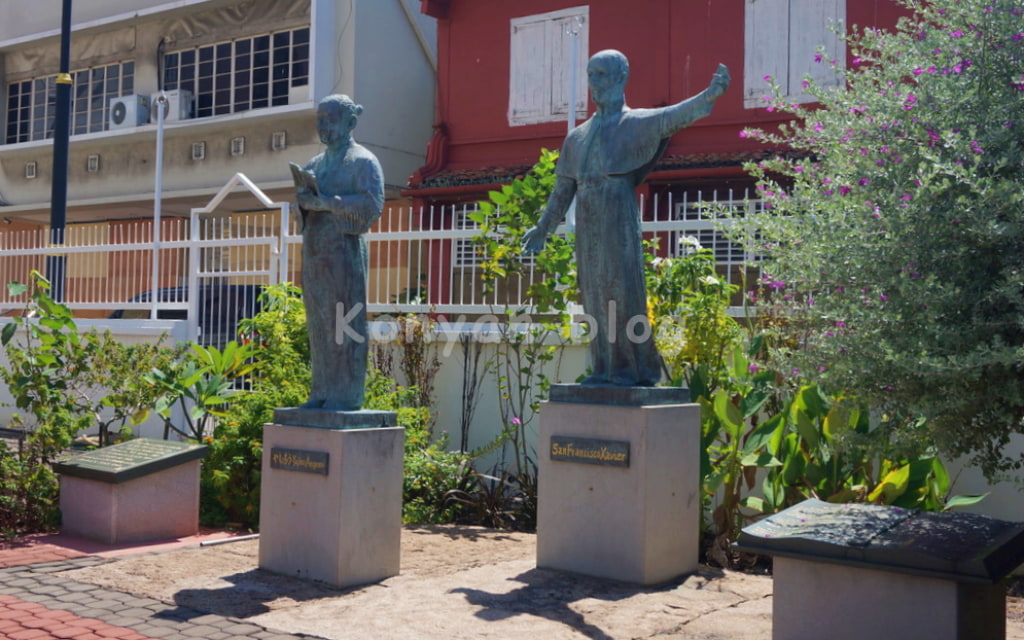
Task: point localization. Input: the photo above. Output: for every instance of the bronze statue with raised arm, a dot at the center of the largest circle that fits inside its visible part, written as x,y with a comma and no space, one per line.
602,162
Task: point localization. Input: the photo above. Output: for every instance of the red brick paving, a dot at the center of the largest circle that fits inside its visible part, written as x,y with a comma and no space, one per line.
31,550
20,620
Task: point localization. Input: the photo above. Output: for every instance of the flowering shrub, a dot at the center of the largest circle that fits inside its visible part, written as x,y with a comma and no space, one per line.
893,231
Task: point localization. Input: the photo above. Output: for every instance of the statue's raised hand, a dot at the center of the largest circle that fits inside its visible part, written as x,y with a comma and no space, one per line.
719,82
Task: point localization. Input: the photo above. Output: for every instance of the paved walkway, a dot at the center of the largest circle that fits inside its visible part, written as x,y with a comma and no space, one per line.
38,603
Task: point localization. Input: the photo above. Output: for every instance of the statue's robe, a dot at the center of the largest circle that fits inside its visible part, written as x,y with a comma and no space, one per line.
334,275
607,157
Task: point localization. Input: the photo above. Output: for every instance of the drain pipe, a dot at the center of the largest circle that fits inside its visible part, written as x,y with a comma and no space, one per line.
210,543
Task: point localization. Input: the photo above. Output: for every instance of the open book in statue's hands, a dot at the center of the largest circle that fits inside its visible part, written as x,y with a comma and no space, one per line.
304,179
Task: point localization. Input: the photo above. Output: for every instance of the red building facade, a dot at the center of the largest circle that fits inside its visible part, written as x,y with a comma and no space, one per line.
673,47
505,74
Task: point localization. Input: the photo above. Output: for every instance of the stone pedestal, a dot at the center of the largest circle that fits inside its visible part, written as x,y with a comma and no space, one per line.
862,603
331,496
137,491
619,485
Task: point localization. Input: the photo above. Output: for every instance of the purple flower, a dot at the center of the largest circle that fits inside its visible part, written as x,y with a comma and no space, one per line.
517,422
753,368
957,34
817,58
840,324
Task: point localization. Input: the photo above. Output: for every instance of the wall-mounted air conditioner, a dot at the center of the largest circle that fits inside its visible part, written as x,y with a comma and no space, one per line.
180,105
128,111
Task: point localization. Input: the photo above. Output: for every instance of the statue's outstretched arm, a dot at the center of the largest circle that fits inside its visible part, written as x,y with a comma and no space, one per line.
694,108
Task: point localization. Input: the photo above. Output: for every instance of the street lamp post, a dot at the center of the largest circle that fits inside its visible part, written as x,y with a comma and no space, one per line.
56,263
158,188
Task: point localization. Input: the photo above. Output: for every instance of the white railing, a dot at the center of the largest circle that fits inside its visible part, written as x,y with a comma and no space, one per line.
421,260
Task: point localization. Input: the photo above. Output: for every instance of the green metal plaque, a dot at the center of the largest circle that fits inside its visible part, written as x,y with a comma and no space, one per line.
612,453
299,460
129,460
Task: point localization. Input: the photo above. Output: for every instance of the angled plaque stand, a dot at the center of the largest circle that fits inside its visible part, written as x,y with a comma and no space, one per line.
138,490
921,575
618,482
331,495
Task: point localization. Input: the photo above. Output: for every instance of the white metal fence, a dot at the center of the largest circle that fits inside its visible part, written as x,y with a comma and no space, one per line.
211,266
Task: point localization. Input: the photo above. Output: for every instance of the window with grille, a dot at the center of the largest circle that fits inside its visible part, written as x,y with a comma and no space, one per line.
703,225
465,252
243,74
32,104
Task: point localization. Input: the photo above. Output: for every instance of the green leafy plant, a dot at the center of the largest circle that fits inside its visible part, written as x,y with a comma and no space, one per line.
528,345
768,446
66,381
200,387
277,347
689,305
892,227
504,218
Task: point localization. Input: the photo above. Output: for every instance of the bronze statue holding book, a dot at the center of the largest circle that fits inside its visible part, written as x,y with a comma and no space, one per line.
340,193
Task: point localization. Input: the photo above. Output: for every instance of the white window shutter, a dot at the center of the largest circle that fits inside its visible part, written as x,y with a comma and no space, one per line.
811,26
530,73
562,64
766,48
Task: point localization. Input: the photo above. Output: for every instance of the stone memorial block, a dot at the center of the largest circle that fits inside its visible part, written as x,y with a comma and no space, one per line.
138,490
921,574
331,497
618,482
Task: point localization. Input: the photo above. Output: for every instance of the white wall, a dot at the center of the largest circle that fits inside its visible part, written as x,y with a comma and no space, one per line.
395,82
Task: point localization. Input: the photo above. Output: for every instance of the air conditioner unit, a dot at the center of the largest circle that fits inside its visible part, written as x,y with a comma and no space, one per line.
128,111
179,105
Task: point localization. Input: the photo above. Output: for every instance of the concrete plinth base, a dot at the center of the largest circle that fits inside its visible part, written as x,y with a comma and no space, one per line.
637,523
152,507
813,600
331,503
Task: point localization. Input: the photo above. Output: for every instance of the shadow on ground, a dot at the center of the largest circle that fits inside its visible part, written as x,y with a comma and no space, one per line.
250,592
550,594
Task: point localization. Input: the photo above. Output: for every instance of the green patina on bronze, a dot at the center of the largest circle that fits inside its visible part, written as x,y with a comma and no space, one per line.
129,460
